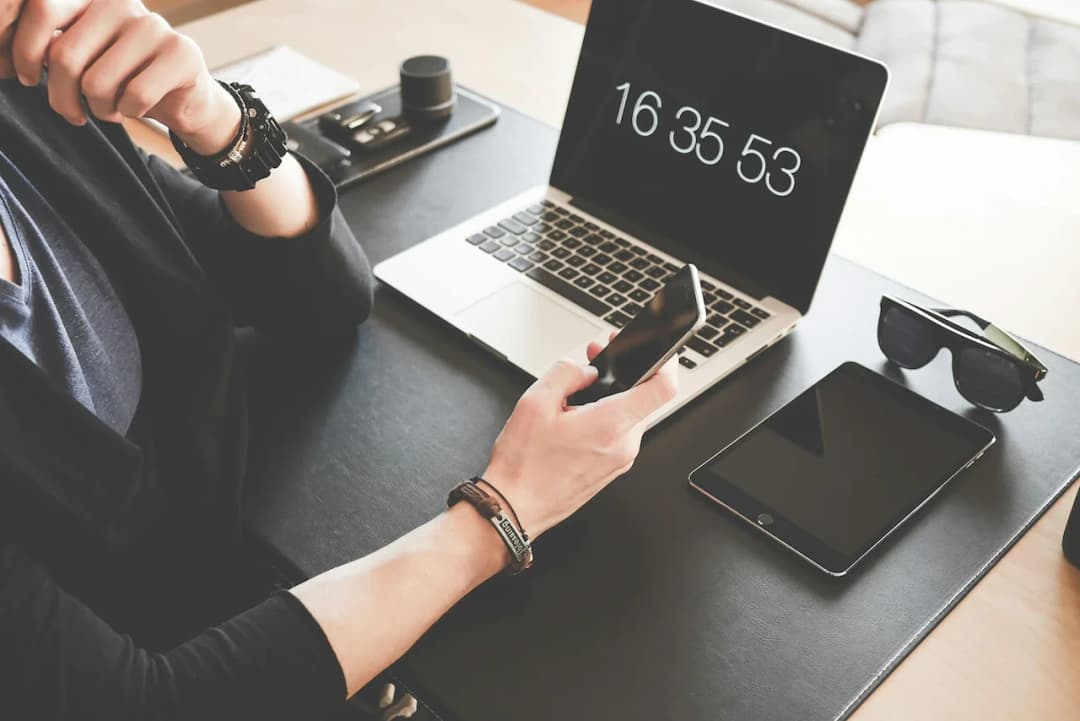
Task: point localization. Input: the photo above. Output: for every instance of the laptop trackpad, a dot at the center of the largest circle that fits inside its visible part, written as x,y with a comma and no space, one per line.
530,329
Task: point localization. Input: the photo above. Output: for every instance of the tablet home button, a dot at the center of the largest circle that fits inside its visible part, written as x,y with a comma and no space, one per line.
764,519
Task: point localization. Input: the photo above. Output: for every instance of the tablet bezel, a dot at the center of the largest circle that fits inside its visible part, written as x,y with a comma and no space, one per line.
804,544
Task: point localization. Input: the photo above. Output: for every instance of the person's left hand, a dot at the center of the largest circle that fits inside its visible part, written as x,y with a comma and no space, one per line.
126,62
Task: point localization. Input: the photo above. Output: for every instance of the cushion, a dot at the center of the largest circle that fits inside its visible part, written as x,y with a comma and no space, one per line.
975,65
829,22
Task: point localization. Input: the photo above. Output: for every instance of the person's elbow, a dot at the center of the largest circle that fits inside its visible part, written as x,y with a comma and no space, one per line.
358,297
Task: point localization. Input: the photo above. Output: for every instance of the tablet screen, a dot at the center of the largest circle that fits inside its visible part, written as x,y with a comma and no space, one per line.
843,464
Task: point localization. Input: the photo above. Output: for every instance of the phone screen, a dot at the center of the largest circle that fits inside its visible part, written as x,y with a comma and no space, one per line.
650,338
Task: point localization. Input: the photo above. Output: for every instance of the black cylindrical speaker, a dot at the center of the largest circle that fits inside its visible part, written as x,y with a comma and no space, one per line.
1071,542
427,89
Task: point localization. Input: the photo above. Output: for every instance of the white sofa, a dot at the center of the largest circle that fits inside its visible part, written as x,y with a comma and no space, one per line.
1005,65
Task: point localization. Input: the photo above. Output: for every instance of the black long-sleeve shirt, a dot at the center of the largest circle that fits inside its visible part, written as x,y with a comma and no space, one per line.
73,490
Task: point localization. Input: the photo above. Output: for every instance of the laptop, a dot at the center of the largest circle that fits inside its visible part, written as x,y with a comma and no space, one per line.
692,135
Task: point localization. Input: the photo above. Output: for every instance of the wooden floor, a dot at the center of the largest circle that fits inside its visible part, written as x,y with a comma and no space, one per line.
182,11
576,10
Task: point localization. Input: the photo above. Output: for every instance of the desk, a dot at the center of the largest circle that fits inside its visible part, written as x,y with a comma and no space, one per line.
997,212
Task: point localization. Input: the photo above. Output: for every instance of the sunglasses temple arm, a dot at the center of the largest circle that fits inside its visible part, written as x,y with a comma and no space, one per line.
953,312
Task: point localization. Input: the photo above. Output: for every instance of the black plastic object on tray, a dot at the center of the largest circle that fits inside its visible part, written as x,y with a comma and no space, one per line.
349,161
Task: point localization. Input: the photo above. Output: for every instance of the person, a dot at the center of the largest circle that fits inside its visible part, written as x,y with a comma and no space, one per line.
122,398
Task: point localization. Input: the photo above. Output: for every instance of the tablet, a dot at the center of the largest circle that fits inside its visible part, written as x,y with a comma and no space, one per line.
835,471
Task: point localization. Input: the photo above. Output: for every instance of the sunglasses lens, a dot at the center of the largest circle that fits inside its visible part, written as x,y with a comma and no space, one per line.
906,339
988,379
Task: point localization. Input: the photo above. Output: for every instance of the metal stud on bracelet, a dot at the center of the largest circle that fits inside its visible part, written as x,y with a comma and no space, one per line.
517,542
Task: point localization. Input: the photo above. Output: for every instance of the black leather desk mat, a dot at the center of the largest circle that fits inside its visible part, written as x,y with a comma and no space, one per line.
651,603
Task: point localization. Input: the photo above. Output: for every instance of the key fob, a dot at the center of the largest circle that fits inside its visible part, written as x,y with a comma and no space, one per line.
380,133
340,123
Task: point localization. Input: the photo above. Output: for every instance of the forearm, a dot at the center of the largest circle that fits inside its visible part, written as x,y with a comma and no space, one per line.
282,205
373,609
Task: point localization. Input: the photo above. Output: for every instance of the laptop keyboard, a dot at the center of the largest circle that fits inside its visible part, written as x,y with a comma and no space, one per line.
610,276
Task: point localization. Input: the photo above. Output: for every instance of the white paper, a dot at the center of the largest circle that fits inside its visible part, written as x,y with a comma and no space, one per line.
289,83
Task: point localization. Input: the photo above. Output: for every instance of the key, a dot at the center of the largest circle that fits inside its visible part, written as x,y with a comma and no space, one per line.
717,321
615,299
698,345
741,316
511,225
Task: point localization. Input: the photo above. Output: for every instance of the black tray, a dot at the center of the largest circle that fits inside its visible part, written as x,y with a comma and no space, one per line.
347,166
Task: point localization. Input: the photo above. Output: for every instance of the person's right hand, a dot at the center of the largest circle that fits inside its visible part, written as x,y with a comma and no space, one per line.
550,460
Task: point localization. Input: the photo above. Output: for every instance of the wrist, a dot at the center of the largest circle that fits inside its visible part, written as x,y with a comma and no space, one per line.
510,487
220,128
486,552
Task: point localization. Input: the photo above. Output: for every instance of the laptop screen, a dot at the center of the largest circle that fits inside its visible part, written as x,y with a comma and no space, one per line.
723,141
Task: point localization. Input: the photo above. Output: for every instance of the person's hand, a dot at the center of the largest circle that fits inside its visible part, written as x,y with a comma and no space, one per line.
124,61
550,460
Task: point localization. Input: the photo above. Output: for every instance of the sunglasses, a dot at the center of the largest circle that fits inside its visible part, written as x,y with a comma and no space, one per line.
992,370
